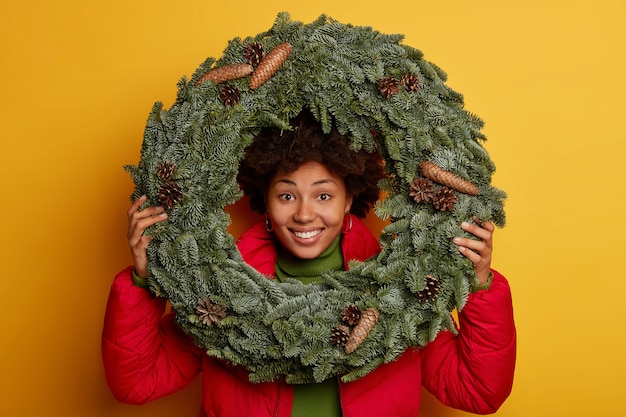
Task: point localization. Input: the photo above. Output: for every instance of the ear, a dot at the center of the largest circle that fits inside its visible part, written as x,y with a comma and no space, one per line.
348,203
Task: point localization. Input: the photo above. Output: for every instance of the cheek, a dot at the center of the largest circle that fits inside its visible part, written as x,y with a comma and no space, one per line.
270,204
277,213
336,215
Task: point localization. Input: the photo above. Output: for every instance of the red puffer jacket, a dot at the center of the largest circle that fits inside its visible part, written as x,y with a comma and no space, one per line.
146,355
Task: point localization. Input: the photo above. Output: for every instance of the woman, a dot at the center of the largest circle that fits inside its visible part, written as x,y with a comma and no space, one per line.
313,188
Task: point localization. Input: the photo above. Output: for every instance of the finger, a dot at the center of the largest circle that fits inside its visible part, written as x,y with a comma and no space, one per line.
147,213
480,262
476,220
483,224
470,254
483,233
140,249
477,246
134,207
136,216
135,211
141,221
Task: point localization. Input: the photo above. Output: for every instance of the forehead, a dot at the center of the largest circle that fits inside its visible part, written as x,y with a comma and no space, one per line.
309,173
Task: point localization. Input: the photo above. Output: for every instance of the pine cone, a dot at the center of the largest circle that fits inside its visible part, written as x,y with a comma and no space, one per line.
270,64
339,335
441,176
431,290
351,315
388,86
422,190
410,82
170,194
210,312
444,199
226,73
166,170
368,320
254,53
230,95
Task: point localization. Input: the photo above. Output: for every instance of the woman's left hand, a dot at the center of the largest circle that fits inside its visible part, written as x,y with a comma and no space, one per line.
477,251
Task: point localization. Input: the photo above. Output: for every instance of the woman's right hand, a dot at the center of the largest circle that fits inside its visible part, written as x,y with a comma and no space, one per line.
138,221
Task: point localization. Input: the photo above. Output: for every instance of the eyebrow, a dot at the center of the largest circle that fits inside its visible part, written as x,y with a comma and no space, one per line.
319,182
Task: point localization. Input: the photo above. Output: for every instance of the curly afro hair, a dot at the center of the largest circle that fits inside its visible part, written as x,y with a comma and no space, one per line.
274,151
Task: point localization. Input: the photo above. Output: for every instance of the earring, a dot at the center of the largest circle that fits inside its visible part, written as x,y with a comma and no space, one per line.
347,223
268,224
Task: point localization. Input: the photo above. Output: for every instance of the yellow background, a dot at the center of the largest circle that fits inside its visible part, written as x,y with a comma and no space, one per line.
78,78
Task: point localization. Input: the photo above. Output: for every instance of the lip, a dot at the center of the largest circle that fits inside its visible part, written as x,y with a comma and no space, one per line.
306,236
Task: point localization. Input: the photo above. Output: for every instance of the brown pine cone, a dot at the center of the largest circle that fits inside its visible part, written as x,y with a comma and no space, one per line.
369,318
170,194
410,82
254,53
431,290
226,73
422,190
444,199
230,95
351,315
210,312
166,170
388,86
339,335
441,176
270,64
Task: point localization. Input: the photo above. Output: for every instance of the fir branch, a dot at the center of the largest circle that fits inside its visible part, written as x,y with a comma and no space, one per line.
280,330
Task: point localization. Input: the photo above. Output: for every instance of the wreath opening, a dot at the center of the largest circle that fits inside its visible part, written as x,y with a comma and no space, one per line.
386,98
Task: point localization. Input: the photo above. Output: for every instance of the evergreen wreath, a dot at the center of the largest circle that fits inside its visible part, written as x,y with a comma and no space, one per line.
387,98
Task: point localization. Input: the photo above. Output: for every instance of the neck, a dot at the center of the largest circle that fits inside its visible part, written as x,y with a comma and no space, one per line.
309,270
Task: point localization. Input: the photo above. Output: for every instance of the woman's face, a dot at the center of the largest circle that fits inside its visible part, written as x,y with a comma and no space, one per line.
306,208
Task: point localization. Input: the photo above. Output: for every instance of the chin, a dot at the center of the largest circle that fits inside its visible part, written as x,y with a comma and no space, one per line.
306,255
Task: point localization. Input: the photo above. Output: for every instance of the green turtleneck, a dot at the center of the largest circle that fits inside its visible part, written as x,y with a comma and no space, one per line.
309,270
313,400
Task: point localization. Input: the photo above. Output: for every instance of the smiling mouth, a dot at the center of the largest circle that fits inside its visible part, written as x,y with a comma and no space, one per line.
307,235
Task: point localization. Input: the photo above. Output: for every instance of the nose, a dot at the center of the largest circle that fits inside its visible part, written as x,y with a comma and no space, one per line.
304,212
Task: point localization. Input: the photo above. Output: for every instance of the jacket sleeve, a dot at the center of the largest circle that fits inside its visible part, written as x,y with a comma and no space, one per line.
474,370
145,354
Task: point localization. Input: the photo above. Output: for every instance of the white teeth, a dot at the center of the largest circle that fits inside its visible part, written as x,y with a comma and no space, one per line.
307,235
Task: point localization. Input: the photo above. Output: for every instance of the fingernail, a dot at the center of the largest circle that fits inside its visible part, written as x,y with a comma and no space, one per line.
465,224
457,240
